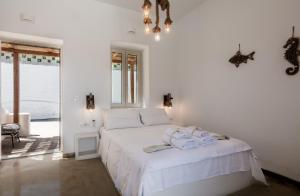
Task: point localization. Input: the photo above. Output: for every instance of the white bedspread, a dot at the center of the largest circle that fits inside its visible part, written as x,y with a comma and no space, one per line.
136,173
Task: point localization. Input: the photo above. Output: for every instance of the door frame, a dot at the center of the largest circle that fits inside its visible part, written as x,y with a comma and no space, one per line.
17,49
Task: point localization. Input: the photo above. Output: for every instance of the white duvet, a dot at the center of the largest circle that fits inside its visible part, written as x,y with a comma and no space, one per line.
136,173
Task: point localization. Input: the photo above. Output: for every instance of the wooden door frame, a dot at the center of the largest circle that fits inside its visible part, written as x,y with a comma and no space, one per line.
16,70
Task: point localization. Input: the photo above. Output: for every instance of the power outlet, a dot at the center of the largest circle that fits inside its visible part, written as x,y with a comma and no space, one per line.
84,125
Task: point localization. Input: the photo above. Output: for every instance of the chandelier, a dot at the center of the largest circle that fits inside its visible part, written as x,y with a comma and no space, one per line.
164,6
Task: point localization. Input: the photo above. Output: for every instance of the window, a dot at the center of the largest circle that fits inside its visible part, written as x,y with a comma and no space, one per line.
126,78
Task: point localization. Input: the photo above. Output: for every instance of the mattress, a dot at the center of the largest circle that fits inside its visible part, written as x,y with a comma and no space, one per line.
136,173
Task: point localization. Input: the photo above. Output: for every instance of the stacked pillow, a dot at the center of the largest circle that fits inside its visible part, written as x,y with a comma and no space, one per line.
133,118
154,116
121,118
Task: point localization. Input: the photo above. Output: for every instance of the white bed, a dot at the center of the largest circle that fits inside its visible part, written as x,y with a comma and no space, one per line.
217,169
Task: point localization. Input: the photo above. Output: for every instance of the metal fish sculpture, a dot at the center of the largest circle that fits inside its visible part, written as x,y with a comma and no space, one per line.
291,54
239,58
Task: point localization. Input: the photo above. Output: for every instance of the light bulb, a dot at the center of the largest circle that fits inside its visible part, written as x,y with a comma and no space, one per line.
167,28
146,12
157,37
147,29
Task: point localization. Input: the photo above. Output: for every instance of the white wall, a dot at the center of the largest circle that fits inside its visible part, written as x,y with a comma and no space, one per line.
88,28
257,102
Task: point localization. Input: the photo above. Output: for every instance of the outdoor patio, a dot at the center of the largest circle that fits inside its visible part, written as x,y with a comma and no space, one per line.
43,138
44,128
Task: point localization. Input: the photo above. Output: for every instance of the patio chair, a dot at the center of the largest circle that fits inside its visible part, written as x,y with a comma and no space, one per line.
9,129
13,130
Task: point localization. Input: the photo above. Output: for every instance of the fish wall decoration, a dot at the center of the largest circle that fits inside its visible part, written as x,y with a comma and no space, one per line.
291,54
239,58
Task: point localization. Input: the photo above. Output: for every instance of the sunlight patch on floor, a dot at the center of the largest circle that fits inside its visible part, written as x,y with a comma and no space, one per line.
44,128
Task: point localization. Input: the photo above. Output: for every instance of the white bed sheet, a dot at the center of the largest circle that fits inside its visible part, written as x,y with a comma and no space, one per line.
136,173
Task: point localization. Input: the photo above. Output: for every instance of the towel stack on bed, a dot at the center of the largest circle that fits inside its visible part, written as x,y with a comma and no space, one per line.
188,137
202,137
179,139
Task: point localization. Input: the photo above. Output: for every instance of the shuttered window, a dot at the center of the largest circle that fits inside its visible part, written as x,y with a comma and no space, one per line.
126,78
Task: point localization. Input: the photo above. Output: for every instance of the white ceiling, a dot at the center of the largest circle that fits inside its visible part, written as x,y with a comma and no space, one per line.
179,8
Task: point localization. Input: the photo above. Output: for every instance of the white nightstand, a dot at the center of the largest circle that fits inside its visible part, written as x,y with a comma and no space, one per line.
86,145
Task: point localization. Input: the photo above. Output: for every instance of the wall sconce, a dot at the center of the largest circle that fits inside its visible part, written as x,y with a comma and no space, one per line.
168,100
90,102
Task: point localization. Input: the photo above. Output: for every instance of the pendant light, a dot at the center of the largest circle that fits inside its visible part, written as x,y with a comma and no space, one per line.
164,5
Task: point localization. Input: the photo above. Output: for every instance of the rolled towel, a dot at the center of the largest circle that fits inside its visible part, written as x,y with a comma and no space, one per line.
200,133
182,143
204,141
175,133
193,131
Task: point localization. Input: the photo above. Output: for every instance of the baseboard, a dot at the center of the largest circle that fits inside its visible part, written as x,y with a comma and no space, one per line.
69,155
282,179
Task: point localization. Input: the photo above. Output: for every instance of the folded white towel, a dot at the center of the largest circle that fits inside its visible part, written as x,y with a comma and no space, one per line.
175,133
181,143
193,131
204,141
188,137
200,133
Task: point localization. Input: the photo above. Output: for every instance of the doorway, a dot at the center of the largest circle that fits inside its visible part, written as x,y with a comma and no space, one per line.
30,94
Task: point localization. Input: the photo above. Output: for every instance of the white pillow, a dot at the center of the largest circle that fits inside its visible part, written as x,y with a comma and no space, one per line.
121,118
154,116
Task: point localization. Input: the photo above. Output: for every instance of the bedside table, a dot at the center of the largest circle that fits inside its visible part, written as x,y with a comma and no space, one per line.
86,145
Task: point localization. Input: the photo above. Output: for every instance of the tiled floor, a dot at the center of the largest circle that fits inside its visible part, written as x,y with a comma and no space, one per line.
43,138
28,146
52,175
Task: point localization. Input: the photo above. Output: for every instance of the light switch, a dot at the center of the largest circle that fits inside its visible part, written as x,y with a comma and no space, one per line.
76,99
27,18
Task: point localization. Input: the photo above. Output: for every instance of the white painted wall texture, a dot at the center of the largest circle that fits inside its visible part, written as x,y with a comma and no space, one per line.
257,102
88,28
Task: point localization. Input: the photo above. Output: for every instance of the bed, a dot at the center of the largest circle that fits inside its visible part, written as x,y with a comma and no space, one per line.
219,169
